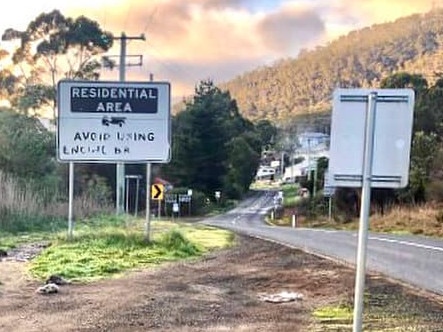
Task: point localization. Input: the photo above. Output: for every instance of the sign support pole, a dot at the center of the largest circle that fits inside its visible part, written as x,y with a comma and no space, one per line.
330,208
127,195
136,196
148,203
120,167
71,200
364,212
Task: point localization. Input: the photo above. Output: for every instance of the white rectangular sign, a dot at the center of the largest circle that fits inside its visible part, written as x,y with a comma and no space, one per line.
104,121
392,137
328,190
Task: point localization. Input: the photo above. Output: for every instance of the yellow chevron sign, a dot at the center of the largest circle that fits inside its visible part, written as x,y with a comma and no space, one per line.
157,191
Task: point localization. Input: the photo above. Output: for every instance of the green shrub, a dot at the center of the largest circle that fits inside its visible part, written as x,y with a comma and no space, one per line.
177,243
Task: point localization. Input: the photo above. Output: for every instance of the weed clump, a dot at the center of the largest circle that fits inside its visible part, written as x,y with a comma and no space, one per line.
175,242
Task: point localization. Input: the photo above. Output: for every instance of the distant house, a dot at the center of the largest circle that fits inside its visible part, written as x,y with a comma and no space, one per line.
312,139
294,172
265,173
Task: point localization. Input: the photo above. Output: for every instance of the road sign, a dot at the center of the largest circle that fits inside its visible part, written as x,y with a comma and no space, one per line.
392,137
113,121
184,198
170,198
175,207
328,190
157,191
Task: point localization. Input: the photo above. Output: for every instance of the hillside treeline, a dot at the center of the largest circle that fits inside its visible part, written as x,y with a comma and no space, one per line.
363,58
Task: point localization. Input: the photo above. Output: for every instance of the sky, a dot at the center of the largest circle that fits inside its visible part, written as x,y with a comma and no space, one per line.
192,40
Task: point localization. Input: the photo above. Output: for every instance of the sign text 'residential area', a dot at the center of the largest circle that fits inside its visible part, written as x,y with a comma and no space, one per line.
114,99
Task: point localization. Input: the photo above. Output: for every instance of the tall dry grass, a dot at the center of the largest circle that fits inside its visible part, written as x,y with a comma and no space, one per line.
426,219
24,208
17,197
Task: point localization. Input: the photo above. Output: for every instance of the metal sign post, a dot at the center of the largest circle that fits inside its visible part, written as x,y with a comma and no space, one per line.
330,208
328,192
190,201
364,213
148,203
137,189
71,201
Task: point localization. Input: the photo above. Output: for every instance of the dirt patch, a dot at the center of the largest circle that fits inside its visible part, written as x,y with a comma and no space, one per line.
25,252
220,292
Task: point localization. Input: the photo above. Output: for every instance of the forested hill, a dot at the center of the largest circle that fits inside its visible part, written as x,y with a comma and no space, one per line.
360,59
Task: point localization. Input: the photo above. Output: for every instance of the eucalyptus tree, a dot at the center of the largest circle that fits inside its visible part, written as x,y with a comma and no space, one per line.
51,48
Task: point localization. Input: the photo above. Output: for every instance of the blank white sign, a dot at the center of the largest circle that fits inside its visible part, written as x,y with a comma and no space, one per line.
392,137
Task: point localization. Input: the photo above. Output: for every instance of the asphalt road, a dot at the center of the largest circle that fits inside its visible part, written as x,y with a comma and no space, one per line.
415,260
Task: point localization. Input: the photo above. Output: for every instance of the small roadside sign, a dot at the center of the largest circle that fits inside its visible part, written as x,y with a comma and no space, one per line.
328,190
157,191
184,198
175,208
170,198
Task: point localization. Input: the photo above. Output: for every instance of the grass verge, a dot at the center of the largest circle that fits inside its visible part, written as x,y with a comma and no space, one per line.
331,315
109,246
290,195
387,307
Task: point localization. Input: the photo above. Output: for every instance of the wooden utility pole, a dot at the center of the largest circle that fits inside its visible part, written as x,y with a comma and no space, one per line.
120,169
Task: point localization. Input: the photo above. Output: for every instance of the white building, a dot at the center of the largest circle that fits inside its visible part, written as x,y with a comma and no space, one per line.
311,140
265,172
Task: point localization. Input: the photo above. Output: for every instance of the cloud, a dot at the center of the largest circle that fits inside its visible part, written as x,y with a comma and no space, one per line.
359,14
290,29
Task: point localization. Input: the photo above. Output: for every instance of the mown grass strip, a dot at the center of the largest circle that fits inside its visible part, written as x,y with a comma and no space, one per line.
102,249
334,313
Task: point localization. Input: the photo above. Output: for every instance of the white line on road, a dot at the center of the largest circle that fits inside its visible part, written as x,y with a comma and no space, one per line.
406,243
318,230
